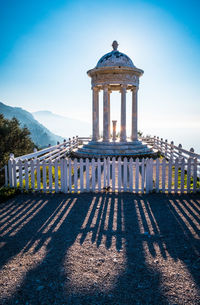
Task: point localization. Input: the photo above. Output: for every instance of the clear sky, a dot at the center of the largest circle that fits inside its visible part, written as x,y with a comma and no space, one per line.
47,46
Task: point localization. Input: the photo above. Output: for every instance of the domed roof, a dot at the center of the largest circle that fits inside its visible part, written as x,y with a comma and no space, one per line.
115,59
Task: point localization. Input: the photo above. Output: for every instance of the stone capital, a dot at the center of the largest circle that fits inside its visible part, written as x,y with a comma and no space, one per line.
105,88
134,89
96,89
123,88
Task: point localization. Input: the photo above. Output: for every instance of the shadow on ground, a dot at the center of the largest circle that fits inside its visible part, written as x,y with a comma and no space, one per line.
100,249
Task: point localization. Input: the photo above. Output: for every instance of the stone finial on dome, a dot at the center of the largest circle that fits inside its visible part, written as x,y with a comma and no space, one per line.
115,45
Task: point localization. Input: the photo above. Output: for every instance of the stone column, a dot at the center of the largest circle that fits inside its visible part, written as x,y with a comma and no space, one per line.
134,135
123,115
105,115
95,114
109,92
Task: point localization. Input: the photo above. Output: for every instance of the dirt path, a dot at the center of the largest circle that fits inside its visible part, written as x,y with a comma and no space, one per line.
100,249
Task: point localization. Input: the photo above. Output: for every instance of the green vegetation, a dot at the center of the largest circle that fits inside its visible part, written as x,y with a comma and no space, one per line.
13,139
185,179
41,178
7,193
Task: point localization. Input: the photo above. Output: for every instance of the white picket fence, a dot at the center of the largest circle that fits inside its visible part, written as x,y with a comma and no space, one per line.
67,175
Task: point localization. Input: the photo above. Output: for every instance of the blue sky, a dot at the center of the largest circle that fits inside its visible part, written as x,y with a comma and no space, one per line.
46,47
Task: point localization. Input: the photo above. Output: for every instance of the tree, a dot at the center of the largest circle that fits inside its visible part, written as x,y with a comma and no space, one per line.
13,139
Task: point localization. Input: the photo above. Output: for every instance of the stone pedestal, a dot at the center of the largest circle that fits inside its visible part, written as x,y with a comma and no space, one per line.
114,130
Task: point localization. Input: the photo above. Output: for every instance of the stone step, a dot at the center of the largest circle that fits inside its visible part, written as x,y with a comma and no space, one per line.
100,155
114,146
112,151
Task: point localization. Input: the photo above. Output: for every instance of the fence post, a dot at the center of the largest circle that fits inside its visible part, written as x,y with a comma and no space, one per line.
87,175
151,176
195,175
161,145
143,174
163,174
44,172
99,174
170,175
182,174
179,151
166,148
113,174
192,151
20,174
10,170
157,175
125,174
26,174
147,176
189,173
154,142
176,175
157,143
119,174
38,174
108,171
172,151
137,175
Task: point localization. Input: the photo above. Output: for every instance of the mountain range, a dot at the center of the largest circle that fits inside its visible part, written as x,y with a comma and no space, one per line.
40,135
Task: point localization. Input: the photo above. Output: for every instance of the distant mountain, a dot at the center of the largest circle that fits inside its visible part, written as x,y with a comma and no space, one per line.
40,135
64,126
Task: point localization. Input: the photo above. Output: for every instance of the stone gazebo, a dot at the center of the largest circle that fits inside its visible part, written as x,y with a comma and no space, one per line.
114,71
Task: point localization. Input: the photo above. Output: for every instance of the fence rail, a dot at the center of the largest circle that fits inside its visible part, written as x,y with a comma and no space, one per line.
67,175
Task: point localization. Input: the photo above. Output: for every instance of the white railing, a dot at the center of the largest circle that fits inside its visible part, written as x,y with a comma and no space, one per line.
67,175
52,152
169,150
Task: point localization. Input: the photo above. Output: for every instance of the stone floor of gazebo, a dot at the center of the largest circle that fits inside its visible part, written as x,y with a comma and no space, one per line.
100,149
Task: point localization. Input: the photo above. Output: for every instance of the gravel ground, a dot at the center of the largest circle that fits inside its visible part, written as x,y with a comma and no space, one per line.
100,248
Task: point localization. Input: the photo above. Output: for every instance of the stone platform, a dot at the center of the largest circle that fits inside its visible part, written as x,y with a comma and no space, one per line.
101,149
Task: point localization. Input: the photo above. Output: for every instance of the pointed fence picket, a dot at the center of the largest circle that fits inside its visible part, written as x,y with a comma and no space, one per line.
182,175
143,176
113,174
119,174
99,174
125,174
195,175
163,174
81,176
131,175
93,175
189,174
170,175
